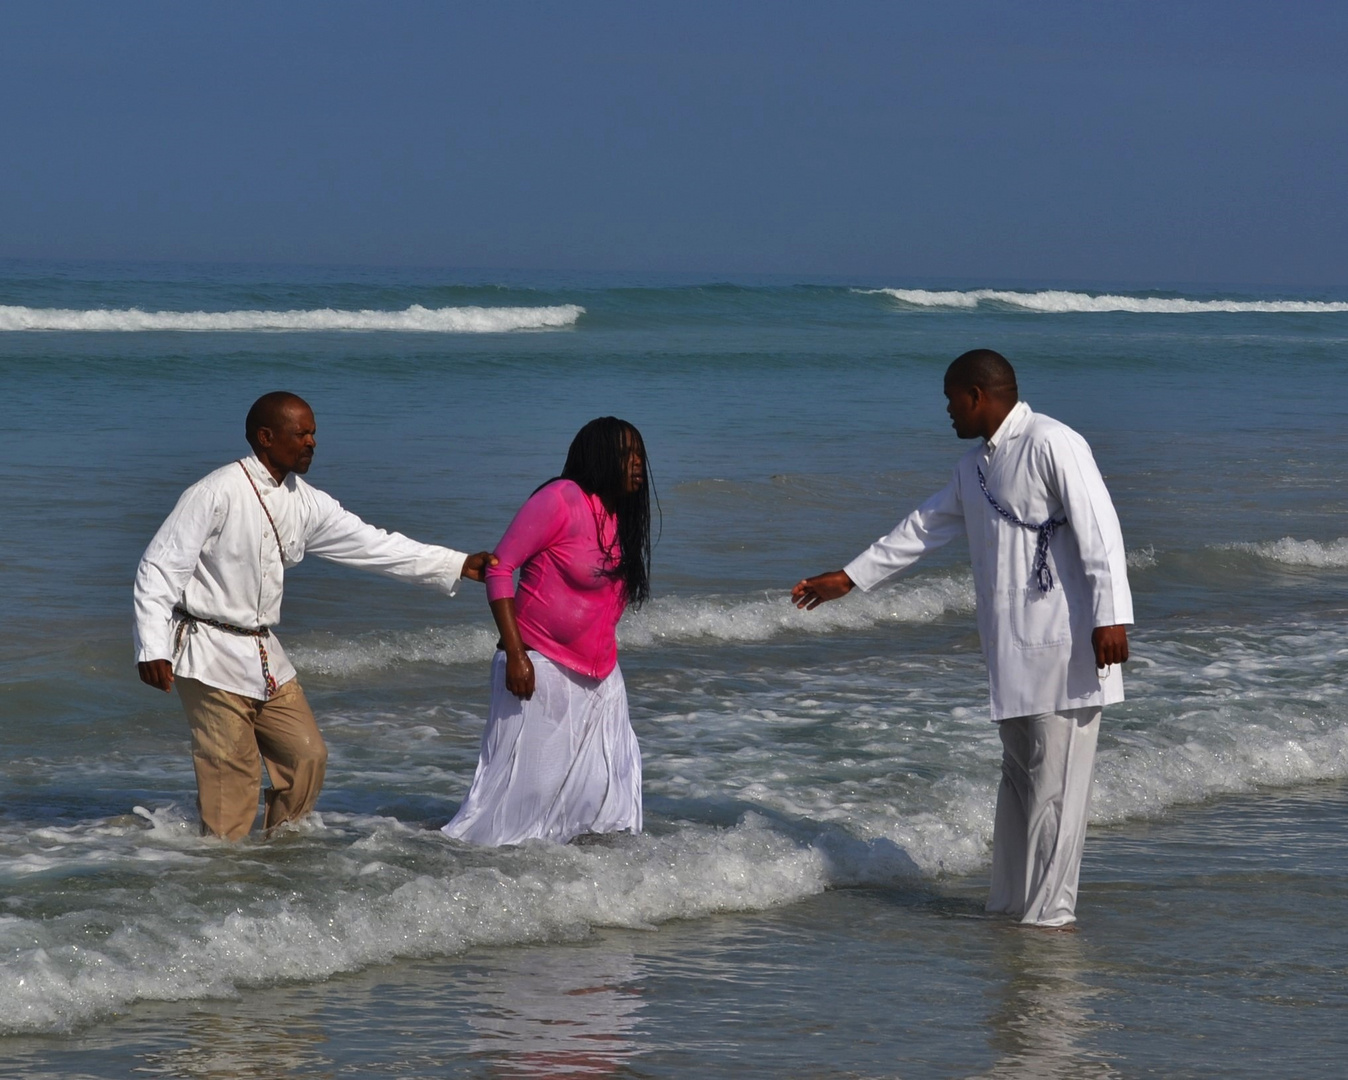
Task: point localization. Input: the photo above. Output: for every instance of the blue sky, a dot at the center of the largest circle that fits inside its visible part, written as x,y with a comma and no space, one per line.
991,142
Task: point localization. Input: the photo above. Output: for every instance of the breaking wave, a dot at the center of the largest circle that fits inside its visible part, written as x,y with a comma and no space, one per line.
415,319
667,620
1289,552
182,918
383,890
351,891
1057,301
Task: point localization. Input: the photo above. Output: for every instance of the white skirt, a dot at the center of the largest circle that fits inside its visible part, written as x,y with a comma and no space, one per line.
563,763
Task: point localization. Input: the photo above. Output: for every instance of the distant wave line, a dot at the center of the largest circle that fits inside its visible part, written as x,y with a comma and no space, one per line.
415,319
1056,302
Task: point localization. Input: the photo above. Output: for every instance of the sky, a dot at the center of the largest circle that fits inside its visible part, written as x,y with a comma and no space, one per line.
1123,142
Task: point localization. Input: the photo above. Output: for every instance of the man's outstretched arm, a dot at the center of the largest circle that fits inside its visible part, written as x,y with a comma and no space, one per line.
342,537
936,522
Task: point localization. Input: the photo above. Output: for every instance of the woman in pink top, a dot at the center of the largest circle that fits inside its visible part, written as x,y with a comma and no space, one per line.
559,757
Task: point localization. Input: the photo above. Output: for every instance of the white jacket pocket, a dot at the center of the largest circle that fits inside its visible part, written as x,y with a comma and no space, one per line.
1038,619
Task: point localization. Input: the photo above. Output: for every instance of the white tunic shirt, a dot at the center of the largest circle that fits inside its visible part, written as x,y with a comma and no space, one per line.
1037,645
217,557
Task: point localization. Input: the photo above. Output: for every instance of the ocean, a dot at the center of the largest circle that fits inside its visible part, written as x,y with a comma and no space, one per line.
806,900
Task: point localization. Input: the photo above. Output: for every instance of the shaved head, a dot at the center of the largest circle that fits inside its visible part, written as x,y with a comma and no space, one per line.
985,369
268,411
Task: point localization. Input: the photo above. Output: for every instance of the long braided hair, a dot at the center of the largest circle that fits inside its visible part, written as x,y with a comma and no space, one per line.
596,462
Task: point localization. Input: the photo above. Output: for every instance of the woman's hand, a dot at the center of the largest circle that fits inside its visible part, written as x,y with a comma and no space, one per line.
519,668
520,675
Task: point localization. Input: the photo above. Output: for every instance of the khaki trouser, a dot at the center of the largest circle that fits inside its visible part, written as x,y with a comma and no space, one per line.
232,736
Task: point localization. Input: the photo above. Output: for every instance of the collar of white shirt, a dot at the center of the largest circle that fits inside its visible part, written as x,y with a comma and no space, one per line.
1010,427
259,472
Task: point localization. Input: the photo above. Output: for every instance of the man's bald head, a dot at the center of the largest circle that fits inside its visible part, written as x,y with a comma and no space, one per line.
980,391
989,371
269,411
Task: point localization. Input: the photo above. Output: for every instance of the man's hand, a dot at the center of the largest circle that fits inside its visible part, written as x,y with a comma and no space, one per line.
475,566
156,673
1111,645
520,675
812,592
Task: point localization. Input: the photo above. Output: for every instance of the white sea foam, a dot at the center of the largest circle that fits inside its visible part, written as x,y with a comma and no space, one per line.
1141,779
665,620
763,787
671,620
184,918
1141,558
1290,552
378,650
364,891
363,910
415,319
772,615
1058,301
1237,710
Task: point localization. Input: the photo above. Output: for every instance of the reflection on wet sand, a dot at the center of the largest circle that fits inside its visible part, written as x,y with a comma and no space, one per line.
226,1046
1045,1012
569,1012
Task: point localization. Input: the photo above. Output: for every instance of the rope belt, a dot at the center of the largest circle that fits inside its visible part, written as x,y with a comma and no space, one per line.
260,634
1043,576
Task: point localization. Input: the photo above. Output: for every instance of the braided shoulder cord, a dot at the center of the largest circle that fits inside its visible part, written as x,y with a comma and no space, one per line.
1042,574
260,635
280,547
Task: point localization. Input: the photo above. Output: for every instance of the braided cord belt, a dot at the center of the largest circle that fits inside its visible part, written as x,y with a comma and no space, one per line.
1043,576
260,634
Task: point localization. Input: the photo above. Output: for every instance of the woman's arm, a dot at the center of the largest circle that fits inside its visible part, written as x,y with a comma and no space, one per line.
519,668
538,524
541,522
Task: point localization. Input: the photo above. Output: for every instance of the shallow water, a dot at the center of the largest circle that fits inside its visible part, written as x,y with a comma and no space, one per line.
815,783
1212,944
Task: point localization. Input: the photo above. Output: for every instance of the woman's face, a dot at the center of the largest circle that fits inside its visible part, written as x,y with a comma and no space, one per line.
634,463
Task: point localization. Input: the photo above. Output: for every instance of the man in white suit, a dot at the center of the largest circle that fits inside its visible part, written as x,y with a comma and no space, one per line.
1053,604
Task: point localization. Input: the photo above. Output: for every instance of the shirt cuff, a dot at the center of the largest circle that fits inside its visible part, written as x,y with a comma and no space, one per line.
448,579
863,574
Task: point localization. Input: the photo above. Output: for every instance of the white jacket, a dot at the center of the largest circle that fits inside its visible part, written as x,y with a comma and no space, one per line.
1037,644
217,557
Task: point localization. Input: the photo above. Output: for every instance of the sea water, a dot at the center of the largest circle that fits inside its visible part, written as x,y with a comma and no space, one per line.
806,900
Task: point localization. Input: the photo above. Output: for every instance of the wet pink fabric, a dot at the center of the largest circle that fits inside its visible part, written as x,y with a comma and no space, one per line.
562,541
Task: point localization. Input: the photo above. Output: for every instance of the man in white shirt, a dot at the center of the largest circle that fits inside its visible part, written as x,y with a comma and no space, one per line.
1053,600
208,592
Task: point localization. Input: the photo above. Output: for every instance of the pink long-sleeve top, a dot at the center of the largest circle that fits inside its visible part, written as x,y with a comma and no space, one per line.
566,605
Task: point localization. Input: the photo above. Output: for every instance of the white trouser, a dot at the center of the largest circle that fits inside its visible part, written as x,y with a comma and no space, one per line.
1047,764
